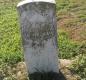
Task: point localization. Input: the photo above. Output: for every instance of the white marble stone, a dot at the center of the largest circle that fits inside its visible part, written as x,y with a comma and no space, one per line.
39,36
29,1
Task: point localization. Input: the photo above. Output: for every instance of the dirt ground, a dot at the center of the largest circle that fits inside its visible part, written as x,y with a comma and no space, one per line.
65,72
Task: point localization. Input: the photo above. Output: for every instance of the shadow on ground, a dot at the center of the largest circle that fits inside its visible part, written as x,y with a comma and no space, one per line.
47,76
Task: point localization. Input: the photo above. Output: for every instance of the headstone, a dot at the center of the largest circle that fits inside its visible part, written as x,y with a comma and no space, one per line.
39,35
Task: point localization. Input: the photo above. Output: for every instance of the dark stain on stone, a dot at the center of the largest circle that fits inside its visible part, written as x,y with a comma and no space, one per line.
47,76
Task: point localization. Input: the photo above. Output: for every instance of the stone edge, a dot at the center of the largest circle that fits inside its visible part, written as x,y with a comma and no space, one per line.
27,1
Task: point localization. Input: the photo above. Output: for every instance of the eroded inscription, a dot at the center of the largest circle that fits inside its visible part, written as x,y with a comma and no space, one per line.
38,35
37,27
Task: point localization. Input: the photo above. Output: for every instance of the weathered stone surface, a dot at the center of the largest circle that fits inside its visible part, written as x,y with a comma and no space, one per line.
39,37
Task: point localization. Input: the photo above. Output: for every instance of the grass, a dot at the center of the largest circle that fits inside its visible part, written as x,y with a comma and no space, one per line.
10,42
71,30
68,49
71,17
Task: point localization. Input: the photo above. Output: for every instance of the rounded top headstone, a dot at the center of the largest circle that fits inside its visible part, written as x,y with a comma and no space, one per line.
30,1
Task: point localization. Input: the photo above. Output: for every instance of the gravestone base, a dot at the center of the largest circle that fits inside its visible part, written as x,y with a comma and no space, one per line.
47,76
43,76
